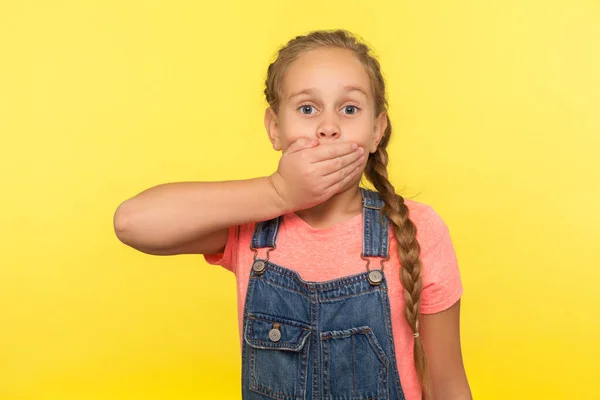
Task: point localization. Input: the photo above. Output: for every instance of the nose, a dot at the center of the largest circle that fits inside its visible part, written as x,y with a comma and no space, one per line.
329,128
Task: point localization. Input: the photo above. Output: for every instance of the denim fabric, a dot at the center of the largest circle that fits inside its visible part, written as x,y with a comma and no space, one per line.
320,340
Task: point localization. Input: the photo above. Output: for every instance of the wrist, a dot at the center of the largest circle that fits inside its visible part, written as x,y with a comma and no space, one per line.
276,184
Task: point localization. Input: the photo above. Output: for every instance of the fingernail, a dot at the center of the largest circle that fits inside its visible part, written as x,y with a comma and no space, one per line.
354,146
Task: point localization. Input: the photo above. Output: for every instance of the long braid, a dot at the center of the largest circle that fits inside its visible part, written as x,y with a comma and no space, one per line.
408,249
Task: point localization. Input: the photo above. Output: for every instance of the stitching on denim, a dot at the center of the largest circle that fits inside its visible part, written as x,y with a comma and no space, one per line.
284,287
393,361
377,348
265,233
273,394
326,368
306,296
363,293
353,364
299,377
336,283
326,339
273,318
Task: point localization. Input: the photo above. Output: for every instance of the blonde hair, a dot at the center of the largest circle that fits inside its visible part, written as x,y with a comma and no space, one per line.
375,170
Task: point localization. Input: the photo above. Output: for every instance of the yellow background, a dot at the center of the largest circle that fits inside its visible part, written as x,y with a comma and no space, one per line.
495,106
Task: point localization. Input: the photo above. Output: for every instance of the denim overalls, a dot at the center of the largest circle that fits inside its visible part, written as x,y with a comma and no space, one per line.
328,340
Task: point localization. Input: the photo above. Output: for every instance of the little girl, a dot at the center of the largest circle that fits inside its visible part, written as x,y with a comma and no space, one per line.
343,292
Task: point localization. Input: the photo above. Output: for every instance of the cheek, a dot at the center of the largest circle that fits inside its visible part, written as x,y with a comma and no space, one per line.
360,132
291,129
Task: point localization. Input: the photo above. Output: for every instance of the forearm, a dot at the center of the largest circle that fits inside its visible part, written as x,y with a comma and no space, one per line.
174,213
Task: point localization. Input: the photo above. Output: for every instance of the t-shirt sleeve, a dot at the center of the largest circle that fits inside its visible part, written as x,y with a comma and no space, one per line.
442,286
227,259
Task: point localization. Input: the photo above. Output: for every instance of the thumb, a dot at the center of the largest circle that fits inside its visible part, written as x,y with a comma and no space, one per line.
301,143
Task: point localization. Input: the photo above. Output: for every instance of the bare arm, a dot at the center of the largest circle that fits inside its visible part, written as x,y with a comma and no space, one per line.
193,217
440,335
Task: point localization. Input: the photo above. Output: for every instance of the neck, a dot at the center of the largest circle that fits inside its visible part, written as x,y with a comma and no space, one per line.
338,208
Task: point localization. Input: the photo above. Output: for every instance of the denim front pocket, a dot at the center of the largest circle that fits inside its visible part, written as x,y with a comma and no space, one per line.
277,368
354,365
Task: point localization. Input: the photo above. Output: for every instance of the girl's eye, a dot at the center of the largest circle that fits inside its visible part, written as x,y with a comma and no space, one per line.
351,110
305,109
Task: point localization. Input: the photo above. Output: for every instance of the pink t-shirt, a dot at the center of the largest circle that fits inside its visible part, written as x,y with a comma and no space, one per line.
325,254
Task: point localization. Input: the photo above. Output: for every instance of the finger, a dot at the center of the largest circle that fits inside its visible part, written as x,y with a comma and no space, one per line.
347,181
348,172
326,152
301,143
333,165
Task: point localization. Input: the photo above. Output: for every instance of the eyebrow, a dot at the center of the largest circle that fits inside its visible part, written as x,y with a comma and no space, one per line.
311,91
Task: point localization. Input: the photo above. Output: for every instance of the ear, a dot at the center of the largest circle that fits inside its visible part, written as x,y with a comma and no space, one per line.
272,127
381,124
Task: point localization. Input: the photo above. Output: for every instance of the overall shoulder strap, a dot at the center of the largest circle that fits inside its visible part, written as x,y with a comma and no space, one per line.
265,233
375,225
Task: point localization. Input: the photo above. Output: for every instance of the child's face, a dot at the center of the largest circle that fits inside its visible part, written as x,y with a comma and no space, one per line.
326,95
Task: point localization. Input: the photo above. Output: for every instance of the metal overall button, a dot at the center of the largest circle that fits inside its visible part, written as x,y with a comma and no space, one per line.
259,267
375,277
275,333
